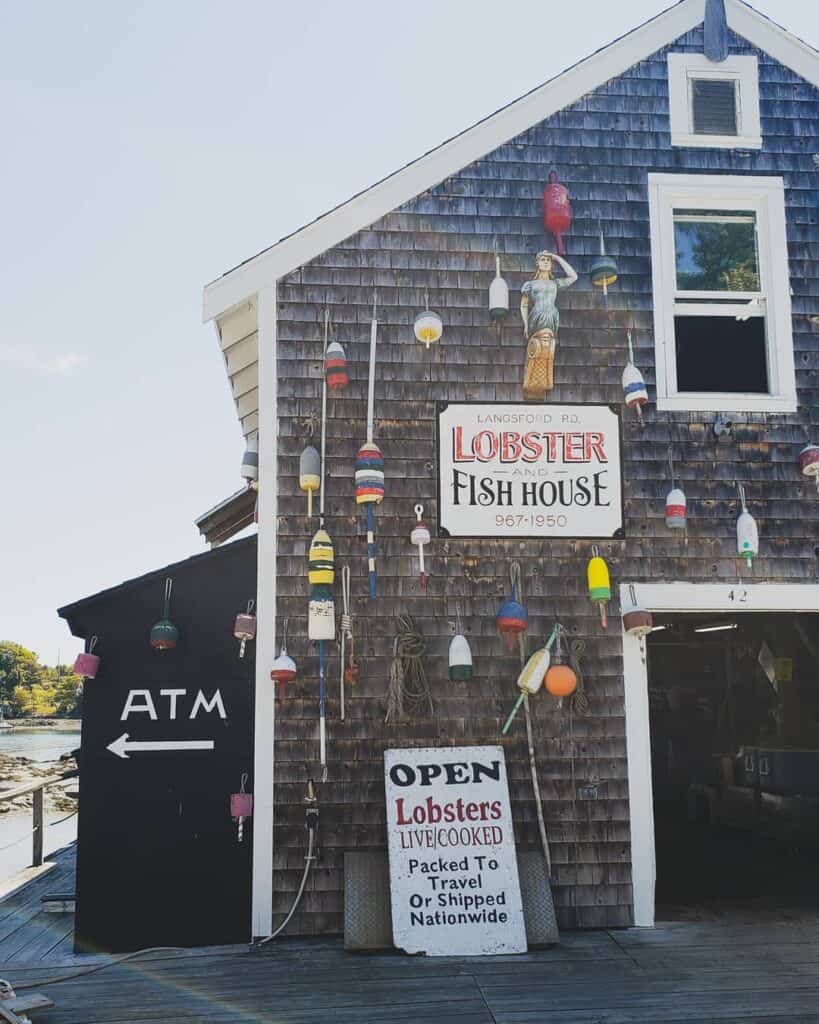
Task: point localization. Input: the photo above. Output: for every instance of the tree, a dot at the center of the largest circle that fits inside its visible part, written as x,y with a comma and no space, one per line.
32,689
18,667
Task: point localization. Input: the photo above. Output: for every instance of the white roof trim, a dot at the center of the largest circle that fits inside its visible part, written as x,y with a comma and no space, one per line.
248,278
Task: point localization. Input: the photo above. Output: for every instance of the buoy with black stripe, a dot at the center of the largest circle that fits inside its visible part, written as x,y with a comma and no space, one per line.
321,610
321,558
335,367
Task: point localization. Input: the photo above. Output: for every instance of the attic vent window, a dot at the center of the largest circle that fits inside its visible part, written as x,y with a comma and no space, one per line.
714,105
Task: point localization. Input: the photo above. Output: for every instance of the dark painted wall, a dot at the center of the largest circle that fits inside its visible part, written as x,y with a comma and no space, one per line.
158,857
604,146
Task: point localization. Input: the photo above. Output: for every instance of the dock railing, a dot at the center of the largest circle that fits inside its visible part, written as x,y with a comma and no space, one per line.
37,789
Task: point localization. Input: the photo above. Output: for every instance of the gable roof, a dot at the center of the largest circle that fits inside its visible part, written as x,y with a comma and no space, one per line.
242,283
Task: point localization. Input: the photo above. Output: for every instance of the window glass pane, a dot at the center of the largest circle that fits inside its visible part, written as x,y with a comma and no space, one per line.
722,354
714,106
716,251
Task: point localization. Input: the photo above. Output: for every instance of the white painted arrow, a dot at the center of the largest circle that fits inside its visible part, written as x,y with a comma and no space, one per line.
122,747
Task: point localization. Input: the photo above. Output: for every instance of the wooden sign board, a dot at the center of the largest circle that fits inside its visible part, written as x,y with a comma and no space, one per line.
453,871
528,470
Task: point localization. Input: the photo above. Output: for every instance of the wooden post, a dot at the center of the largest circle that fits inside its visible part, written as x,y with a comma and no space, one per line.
37,838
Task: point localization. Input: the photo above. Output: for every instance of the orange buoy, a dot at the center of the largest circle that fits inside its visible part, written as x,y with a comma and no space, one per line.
561,681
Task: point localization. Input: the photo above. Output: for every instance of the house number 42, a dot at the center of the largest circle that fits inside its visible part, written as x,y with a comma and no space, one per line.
739,595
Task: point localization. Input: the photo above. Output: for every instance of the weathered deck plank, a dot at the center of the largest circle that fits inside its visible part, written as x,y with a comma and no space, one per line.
722,972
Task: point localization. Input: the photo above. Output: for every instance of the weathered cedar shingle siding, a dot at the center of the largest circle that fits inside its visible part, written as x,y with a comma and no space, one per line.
442,242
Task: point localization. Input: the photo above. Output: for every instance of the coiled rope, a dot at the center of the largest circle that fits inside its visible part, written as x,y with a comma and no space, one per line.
408,692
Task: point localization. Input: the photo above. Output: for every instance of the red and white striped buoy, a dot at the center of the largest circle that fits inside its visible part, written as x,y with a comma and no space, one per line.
675,503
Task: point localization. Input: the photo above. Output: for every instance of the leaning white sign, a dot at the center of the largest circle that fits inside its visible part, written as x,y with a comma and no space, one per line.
453,871
529,470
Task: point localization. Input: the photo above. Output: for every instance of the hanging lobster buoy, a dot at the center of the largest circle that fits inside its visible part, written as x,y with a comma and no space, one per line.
460,659
369,491
809,462
164,634
321,558
603,269
335,367
747,531
284,668
250,461
534,672
557,210
321,613
241,806
599,585
310,474
428,326
460,653
498,294
420,537
244,628
635,394
637,621
531,677
675,503
560,679
675,508
513,620
87,663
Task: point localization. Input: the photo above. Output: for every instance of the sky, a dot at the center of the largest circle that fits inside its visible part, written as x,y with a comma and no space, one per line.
149,147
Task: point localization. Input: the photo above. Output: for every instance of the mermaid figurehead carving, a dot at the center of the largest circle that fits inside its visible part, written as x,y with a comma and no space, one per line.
541,320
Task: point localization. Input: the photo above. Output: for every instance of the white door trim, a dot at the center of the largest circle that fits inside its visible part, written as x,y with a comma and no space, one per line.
677,597
265,705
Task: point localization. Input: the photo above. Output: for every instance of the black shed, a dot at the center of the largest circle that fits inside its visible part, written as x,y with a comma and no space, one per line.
167,737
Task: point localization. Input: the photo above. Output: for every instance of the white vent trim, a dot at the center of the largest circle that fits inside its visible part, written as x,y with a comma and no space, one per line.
743,71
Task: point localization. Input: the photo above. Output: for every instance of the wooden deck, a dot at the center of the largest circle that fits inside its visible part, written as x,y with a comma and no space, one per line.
727,971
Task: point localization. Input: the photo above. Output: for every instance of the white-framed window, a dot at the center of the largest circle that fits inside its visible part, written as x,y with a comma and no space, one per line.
722,304
714,104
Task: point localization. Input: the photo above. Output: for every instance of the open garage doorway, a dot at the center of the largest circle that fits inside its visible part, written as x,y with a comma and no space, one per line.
711,604
733,703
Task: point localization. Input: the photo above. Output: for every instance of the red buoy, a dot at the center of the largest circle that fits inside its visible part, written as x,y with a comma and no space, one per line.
557,210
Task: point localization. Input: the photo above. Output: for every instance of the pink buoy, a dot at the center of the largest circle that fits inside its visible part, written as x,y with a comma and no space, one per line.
87,663
241,806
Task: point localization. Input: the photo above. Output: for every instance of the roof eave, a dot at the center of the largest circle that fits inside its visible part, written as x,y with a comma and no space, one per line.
238,285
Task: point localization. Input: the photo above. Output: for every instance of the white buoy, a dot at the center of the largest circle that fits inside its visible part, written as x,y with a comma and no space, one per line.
460,659
498,294
250,462
747,531
675,503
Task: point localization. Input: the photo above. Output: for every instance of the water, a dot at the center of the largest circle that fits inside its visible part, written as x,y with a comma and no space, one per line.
41,744
44,746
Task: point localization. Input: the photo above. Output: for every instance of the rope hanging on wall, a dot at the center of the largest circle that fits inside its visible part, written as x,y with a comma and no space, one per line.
408,692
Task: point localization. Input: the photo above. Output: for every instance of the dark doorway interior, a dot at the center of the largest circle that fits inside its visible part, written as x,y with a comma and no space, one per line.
734,710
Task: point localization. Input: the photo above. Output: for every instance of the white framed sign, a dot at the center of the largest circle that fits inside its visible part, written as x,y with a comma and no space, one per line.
509,470
453,869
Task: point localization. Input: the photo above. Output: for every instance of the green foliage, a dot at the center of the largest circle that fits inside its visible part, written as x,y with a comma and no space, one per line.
28,688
